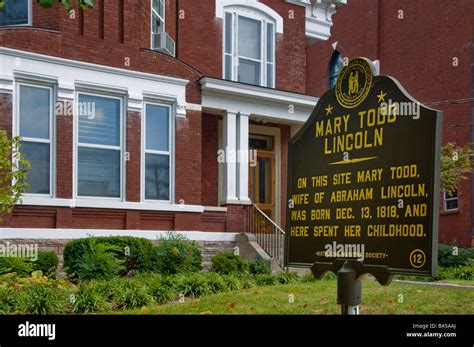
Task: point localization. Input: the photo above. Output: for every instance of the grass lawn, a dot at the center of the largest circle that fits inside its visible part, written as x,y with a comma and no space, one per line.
320,298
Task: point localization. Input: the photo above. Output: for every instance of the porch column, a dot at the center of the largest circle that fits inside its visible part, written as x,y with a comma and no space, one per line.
243,156
230,169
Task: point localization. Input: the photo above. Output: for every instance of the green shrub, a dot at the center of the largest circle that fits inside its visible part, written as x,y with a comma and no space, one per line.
47,263
175,254
137,253
21,266
447,258
133,293
307,278
158,287
8,300
89,299
134,254
259,266
41,298
287,277
191,284
227,263
265,280
91,258
247,281
232,282
215,282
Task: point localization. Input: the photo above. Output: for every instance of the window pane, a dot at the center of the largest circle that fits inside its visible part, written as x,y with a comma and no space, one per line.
228,33
228,67
270,38
157,127
249,71
38,155
35,109
157,177
249,38
98,172
270,82
14,13
335,67
99,120
157,24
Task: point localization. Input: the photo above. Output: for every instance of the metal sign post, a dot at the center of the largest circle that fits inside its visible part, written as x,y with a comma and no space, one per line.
349,290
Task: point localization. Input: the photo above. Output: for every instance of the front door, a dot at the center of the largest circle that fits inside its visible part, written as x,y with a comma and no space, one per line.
262,174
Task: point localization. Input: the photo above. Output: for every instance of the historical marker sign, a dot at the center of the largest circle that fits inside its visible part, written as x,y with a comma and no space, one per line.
364,177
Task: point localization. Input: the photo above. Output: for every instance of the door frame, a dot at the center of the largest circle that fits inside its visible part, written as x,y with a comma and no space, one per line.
276,133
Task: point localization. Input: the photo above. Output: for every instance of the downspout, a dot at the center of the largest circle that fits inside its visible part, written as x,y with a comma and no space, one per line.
177,29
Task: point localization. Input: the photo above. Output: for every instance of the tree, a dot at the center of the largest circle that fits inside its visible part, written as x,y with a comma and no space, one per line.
84,4
13,173
455,165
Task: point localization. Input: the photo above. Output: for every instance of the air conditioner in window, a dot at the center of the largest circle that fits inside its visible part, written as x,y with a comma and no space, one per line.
162,42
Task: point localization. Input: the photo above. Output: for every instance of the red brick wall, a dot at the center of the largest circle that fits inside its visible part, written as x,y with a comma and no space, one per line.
418,50
188,158
64,159
209,186
46,17
134,152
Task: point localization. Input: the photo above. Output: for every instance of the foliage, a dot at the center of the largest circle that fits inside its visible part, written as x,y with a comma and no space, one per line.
21,266
47,263
84,4
455,165
192,284
287,277
259,266
132,293
228,263
449,256
90,258
13,172
175,253
89,299
265,280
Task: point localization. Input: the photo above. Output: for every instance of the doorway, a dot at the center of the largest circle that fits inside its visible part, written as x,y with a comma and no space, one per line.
262,173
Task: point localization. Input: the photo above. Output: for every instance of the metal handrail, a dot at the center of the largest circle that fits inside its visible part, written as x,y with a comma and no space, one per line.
267,234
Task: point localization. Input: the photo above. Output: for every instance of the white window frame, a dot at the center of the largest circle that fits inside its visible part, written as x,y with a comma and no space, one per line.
52,134
163,18
170,152
446,200
121,148
264,20
30,17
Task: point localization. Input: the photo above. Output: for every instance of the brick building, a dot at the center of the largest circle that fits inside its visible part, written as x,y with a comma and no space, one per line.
138,116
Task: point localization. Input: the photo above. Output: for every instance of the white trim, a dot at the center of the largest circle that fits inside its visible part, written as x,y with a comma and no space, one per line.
170,153
446,200
109,203
94,67
193,107
276,133
266,103
52,126
244,12
252,4
215,209
120,148
71,234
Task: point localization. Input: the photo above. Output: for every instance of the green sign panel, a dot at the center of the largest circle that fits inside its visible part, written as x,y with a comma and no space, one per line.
363,180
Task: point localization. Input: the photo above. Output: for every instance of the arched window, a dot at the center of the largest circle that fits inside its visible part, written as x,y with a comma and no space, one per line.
335,66
249,41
